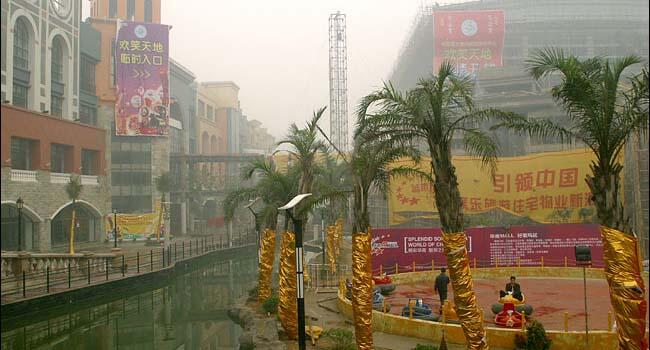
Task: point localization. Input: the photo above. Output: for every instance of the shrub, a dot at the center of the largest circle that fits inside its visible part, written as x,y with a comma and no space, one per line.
535,339
271,304
342,339
425,347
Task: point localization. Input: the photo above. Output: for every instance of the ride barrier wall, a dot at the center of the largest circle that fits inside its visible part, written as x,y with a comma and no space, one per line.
497,337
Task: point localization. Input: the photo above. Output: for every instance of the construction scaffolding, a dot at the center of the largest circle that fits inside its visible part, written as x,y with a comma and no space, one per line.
338,64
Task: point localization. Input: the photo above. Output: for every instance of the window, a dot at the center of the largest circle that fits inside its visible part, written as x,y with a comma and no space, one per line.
88,114
201,109
147,11
20,95
21,81
57,88
112,8
89,162
58,155
21,45
87,71
131,174
113,62
130,10
21,153
210,113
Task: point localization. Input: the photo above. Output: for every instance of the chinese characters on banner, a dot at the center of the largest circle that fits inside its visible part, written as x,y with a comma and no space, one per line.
142,79
470,40
547,187
524,245
134,226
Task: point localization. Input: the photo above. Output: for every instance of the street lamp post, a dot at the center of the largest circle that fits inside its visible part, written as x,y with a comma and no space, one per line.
114,228
300,297
19,205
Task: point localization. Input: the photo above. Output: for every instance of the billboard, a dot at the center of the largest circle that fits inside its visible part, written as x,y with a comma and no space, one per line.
525,245
134,226
470,40
546,187
142,79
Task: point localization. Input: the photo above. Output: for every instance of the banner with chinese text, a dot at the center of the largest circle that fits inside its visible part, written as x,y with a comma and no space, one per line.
470,40
524,245
546,187
134,226
142,79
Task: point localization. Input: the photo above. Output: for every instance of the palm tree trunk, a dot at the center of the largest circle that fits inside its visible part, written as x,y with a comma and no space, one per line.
449,205
266,265
362,273
287,292
72,226
620,253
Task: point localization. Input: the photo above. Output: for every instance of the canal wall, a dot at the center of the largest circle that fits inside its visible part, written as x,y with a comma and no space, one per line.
117,288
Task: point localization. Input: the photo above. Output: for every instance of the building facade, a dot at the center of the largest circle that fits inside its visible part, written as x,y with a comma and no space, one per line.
45,139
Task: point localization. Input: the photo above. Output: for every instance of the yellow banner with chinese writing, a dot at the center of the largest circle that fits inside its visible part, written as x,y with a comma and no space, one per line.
132,226
546,187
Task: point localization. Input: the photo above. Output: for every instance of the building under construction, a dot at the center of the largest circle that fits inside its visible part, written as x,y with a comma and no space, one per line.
584,28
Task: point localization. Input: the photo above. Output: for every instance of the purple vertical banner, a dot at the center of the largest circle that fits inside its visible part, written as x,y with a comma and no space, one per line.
142,79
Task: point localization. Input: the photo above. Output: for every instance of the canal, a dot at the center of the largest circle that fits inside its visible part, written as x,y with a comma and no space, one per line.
187,311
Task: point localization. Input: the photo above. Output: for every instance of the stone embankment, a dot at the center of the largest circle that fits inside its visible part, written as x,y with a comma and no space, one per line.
260,332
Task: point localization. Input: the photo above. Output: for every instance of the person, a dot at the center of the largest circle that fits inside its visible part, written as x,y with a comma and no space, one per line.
514,288
441,286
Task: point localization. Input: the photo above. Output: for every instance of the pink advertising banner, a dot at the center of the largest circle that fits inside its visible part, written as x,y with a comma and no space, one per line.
525,245
142,79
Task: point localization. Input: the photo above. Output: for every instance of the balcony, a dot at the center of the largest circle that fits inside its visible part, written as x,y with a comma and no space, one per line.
23,175
90,180
59,178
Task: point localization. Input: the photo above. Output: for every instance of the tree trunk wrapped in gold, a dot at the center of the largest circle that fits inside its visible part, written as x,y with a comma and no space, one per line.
362,290
626,287
339,236
466,306
287,306
266,264
331,250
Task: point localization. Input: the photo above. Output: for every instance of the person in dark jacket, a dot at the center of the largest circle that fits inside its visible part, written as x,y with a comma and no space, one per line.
440,286
514,288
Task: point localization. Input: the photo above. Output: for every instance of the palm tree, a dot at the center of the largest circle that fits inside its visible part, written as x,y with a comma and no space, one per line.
603,113
163,185
73,188
435,111
275,189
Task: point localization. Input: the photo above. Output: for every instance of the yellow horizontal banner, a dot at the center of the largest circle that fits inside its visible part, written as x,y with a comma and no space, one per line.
547,187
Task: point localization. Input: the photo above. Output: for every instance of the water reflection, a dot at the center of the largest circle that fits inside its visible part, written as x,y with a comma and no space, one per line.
188,313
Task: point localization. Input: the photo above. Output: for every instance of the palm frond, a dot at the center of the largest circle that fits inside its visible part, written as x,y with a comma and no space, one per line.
478,144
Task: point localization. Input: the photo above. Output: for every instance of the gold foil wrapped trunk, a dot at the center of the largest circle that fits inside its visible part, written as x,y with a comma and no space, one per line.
626,287
287,306
362,290
267,253
331,251
339,236
467,308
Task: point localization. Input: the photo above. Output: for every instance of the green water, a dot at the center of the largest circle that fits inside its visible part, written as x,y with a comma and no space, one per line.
189,312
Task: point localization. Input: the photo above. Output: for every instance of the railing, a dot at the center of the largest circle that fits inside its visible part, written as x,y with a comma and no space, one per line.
23,175
59,178
29,275
321,276
90,180
390,269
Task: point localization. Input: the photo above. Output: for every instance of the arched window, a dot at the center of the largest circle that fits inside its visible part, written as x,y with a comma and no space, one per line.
205,143
57,77
21,81
213,144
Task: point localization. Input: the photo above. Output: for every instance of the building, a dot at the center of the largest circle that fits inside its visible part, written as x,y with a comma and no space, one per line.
48,133
579,27
135,161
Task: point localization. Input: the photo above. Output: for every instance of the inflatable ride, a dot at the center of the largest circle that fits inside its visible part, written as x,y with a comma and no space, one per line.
509,316
384,283
421,311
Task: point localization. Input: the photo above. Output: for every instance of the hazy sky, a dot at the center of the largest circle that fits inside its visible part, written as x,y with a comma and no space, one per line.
277,51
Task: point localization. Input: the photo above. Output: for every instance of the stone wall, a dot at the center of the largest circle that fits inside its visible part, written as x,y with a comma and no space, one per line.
44,199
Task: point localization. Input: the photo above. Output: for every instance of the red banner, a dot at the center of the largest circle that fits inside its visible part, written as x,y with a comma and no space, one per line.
490,246
471,40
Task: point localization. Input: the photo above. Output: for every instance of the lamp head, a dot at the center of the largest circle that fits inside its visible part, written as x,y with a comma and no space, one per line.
19,203
294,201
